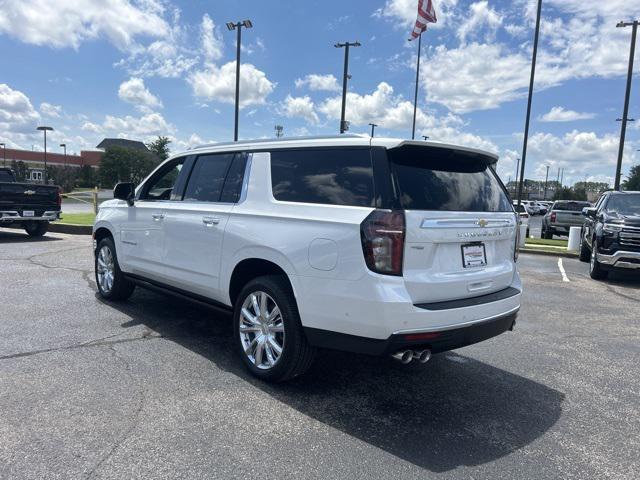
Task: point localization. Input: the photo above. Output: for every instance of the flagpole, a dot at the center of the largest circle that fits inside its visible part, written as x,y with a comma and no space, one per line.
531,82
415,98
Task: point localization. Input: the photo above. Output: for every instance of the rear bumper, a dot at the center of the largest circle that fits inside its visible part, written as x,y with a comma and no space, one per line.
621,259
438,340
12,216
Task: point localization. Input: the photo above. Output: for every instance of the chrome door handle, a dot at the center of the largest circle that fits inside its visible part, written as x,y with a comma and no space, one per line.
210,221
157,216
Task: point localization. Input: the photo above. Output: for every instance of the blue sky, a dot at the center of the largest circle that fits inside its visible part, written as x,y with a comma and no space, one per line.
138,69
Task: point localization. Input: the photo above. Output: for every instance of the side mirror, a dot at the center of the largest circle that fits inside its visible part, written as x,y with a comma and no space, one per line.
125,191
589,212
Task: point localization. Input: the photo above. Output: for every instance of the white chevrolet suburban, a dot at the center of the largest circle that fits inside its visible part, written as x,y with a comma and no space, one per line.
377,246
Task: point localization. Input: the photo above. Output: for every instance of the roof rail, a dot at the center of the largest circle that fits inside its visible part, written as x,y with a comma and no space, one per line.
274,140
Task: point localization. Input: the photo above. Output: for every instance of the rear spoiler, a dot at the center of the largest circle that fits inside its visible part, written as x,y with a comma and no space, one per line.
482,156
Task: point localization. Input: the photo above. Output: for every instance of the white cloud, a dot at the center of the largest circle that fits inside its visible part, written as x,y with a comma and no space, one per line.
299,107
316,82
91,127
219,83
68,23
17,114
559,114
146,126
212,43
480,15
580,153
134,91
53,111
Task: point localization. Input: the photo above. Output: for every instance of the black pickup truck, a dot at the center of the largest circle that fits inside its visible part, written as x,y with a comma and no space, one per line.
611,234
27,205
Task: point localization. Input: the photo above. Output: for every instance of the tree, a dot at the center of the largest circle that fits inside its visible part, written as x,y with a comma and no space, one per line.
121,164
64,177
633,181
160,147
87,177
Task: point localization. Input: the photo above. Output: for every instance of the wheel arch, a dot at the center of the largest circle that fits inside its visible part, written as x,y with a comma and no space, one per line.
248,268
100,231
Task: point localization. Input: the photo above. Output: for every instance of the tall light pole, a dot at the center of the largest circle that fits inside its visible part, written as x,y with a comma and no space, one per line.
373,128
415,97
425,137
64,145
517,175
531,82
279,129
546,180
623,129
4,154
45,130
345,78
238,26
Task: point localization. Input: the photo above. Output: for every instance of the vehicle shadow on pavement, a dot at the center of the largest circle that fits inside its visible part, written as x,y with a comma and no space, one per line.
17,236
455,411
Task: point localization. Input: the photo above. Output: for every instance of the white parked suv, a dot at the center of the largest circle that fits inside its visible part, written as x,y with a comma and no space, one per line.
377,246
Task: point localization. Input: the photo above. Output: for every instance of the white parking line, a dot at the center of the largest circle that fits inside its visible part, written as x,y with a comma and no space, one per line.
561,268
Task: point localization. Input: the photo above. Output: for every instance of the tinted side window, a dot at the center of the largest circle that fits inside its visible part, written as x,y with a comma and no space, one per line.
233,184
207,178
328,176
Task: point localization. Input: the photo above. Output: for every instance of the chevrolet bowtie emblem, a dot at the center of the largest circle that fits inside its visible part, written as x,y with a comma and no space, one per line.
483,223
29,192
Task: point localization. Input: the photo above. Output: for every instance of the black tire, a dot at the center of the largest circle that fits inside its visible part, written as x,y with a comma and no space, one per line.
121,288
585,253
36,229
595,269
296,355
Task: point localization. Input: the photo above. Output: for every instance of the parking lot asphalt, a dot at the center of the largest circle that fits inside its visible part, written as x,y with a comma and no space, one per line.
150,388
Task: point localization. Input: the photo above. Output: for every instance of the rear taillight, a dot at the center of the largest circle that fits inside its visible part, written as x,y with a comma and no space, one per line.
553,216
382,234
59,198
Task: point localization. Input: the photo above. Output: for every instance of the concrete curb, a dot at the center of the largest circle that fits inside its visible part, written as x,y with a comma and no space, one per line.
549,253
70,229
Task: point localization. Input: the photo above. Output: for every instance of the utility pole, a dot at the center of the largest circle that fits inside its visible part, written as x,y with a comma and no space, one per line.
64,145
45,130
415,97
373,128
623,129
531,82
238,26
517,175
345,78
279,129
546,180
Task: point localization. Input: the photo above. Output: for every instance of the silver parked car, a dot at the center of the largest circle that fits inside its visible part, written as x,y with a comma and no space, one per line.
563,215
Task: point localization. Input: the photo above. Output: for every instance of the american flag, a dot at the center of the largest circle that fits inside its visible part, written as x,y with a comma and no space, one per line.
426,14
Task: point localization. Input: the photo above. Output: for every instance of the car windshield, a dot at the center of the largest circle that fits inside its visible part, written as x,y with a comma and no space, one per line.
571,206
624,204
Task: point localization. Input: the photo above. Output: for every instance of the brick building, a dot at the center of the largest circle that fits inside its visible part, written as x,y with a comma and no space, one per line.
35,160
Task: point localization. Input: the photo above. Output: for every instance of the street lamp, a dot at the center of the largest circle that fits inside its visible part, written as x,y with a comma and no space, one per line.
64,145
45,130
344,126
373,128
4,154
238,26
425,137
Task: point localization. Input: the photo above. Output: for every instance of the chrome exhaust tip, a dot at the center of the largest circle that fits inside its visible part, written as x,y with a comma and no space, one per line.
423,356
403,356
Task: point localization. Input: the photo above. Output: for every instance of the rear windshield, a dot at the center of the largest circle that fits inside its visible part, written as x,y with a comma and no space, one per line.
448,180
570,206
6,176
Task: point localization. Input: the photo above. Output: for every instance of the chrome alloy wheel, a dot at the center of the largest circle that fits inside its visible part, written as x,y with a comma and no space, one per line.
261,330
106,269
